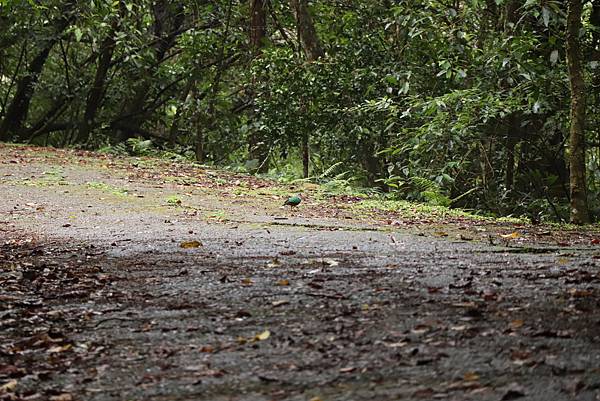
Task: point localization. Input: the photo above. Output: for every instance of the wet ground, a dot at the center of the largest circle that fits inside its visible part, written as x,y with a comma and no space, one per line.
117,283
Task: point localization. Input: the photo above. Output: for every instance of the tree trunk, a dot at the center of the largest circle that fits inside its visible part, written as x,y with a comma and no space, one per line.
312,48
305,155
257,144
174,130
578,187
168,19
96,92
512,137
19,107
17,111
306,30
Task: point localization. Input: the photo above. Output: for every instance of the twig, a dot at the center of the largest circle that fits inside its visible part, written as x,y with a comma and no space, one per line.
331,296
112,318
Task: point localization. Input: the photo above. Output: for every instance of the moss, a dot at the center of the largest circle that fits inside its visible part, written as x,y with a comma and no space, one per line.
101,186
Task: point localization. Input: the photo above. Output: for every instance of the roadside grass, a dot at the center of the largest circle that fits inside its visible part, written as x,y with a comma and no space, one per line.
52,177
406,209
322,191
104,187
173,200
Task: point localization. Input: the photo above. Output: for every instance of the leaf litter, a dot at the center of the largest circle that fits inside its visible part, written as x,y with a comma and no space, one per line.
403,318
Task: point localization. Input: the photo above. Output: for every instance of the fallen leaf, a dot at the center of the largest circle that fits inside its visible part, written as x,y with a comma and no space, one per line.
471,376
274,263
262,336
420,329
517,323
397,345
62,397
513,235
283,282
513,392
59,348
331,262
247,281
8,387
190,244
576,293
279,303
213,372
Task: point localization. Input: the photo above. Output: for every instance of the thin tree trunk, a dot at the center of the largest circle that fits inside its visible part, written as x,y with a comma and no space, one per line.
174,130
313,51
306,30
168,19
578,189
257,143
96,92
512,137
305,154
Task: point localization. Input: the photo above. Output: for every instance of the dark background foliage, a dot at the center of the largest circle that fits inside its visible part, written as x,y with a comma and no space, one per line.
459,103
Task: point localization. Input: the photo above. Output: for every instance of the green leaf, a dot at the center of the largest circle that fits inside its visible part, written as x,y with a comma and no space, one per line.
78,34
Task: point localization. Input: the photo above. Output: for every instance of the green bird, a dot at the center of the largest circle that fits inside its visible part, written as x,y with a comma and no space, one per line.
293,201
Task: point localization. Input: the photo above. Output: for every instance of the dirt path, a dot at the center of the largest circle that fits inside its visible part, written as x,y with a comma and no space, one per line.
127,280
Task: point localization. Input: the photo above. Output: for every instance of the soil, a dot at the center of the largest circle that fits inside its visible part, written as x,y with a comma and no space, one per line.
142,279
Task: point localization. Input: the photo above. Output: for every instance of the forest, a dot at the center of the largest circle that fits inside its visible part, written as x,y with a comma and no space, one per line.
486,105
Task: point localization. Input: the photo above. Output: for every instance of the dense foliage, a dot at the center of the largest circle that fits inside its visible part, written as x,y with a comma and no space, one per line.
455,102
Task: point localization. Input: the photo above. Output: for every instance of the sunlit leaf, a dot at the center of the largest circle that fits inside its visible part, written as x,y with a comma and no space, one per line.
8,387
263,336
190,244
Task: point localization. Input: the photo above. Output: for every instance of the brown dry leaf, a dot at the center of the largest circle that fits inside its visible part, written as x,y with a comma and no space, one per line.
465,304
262,336
420,329
471,376
520,357
190,244
513,235
59,348
575,293
283,282
316,399
207,349
274,263
8,387
440,234
62,397
247,281
517,323
213,372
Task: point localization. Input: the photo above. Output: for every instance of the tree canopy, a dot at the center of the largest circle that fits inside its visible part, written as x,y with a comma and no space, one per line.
464,103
